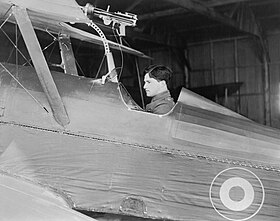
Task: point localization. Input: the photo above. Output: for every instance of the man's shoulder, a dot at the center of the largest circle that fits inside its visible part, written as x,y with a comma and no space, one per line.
163,106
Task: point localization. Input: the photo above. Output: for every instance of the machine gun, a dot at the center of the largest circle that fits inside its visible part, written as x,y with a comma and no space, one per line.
119,18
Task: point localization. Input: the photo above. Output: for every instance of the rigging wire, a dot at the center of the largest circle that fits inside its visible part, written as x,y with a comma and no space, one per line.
76,61
100,66
80,67
11,52
53,46
24,88
7,17
139,82
55,39
45,48
138,75
126,42
17,39
17,50
15,46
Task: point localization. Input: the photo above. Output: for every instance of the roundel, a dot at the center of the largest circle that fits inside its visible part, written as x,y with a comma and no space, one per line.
236,194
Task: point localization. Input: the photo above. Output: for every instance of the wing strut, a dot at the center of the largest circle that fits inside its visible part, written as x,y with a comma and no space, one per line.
67,55
41,66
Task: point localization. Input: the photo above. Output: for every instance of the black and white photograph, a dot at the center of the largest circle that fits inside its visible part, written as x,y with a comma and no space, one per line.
139,110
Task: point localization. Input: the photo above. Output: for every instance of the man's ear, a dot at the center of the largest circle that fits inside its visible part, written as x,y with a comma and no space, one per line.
163,83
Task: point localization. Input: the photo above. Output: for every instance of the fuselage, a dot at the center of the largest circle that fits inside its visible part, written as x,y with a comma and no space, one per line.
111,157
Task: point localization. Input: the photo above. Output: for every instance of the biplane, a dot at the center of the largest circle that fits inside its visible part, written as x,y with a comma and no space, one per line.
77,148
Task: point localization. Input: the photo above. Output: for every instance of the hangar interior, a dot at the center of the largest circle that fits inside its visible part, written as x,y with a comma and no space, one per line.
225,50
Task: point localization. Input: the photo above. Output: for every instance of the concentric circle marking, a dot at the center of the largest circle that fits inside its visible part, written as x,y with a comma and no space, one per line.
236,194
232,204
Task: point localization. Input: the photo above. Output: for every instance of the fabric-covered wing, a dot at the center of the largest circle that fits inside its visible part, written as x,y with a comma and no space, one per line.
88,37
23,200
49,12
53,16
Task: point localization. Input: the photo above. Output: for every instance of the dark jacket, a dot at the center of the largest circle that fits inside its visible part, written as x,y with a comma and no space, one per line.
161,103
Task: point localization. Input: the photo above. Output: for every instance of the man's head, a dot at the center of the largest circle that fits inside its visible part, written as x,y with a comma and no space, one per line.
156,79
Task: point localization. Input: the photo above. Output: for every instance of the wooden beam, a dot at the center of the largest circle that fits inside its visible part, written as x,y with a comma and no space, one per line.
163,13
198,28
133,5
214,3
267,106
209,4
271,16
40,65
157,38
201,9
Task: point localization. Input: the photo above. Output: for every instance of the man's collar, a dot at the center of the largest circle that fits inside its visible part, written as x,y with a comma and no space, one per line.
162,95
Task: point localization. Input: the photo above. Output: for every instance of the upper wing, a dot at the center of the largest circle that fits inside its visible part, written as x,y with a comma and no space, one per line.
89,37
53,16
48,13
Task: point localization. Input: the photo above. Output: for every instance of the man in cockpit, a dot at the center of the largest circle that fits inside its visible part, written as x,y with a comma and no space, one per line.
156,82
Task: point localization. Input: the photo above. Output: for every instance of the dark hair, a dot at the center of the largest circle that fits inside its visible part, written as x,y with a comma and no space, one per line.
159,72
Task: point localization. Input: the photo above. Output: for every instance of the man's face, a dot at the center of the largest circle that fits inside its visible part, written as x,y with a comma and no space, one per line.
151,86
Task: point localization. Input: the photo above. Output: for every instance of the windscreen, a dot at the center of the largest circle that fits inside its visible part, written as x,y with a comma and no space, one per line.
128,100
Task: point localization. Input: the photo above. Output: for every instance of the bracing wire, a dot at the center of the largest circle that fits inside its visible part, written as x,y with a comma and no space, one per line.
80,67
55,39
100,66
17,38
76,61
45,48
138,75
126,42
17,51
53,46
24,88
11,52
5,16
139,82
15,46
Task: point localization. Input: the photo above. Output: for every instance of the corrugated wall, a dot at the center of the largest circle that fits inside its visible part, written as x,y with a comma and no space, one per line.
274,67
234,60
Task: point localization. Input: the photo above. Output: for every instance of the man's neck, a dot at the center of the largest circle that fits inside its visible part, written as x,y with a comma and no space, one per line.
162,89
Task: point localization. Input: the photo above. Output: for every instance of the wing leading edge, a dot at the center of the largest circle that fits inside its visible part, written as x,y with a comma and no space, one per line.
53,16
33,202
